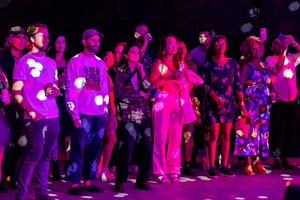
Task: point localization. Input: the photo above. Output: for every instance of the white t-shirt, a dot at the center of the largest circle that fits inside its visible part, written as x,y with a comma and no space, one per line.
284,82
36,72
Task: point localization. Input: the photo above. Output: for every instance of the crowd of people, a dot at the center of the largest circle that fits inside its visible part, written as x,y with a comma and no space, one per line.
133,109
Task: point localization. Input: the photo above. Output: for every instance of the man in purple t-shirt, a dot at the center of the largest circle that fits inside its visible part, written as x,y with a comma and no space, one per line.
35,88
87,102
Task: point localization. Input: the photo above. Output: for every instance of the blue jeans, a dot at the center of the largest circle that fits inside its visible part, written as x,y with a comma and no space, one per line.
86,143
41,136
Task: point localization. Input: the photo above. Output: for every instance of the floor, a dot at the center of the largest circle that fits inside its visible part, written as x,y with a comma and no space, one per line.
269,186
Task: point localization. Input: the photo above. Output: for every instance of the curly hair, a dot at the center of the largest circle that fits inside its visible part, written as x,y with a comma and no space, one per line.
246,45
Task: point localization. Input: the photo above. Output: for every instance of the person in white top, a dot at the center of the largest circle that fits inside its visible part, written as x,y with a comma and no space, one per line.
284,110
35,86
87,101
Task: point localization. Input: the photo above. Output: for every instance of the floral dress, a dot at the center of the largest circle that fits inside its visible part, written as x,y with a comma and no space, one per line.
256,95
225,81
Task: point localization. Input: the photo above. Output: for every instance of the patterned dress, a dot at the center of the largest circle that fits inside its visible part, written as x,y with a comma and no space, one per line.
256,95
225,81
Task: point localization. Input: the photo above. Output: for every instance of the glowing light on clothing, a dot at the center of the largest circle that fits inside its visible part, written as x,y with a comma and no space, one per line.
38,67
79,82
106,99
163,69
41,95
56,74
158,106
70,105
288,73
99,100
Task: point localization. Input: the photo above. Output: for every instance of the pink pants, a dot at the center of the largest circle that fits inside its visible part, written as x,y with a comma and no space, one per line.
167,130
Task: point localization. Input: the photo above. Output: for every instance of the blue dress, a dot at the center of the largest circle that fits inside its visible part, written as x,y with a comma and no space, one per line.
225,81
256,95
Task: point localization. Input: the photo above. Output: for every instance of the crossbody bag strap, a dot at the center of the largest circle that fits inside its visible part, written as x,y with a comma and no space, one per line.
128,79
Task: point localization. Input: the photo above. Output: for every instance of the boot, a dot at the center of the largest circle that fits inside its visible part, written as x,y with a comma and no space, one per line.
55,171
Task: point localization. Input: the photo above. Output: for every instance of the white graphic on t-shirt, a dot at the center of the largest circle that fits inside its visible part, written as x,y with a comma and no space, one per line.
105,110
56,75
99,100
288,73
41,95
70,105
79,82
38,67
106,99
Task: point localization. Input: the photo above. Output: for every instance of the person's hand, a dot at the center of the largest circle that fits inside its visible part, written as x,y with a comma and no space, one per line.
286,43
6,101
54,91
244,112
220,104
145,95
77,123
35,116
140,67
290,39
145,39
178,75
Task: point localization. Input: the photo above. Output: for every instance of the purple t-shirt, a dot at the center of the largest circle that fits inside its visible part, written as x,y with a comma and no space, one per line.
36,72
87,88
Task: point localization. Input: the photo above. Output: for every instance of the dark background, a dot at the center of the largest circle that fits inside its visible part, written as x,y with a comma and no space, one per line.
116,19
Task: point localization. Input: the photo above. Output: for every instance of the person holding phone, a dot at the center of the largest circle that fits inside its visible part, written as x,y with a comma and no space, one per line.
284,112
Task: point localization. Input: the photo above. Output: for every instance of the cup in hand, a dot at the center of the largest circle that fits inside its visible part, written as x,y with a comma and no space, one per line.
4,95
48,88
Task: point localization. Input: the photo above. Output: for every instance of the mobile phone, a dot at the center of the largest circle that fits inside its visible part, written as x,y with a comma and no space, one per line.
263,34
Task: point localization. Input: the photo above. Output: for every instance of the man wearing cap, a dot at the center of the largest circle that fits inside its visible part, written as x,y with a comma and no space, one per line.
11,54
87,102
35,86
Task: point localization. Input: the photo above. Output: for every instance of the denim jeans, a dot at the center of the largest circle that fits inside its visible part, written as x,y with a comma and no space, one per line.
41,136
86,144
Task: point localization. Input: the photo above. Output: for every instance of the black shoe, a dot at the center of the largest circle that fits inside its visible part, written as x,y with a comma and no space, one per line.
78,191
93,188
119,187
13,185
193,164
143,185
224,171
3,189
56,178
278,164
186,170
44,197
212,172
287,165
55,171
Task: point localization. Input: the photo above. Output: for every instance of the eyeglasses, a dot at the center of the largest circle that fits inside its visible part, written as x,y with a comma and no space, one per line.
171,44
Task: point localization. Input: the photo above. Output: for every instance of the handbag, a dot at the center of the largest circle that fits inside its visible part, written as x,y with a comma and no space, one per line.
242,127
